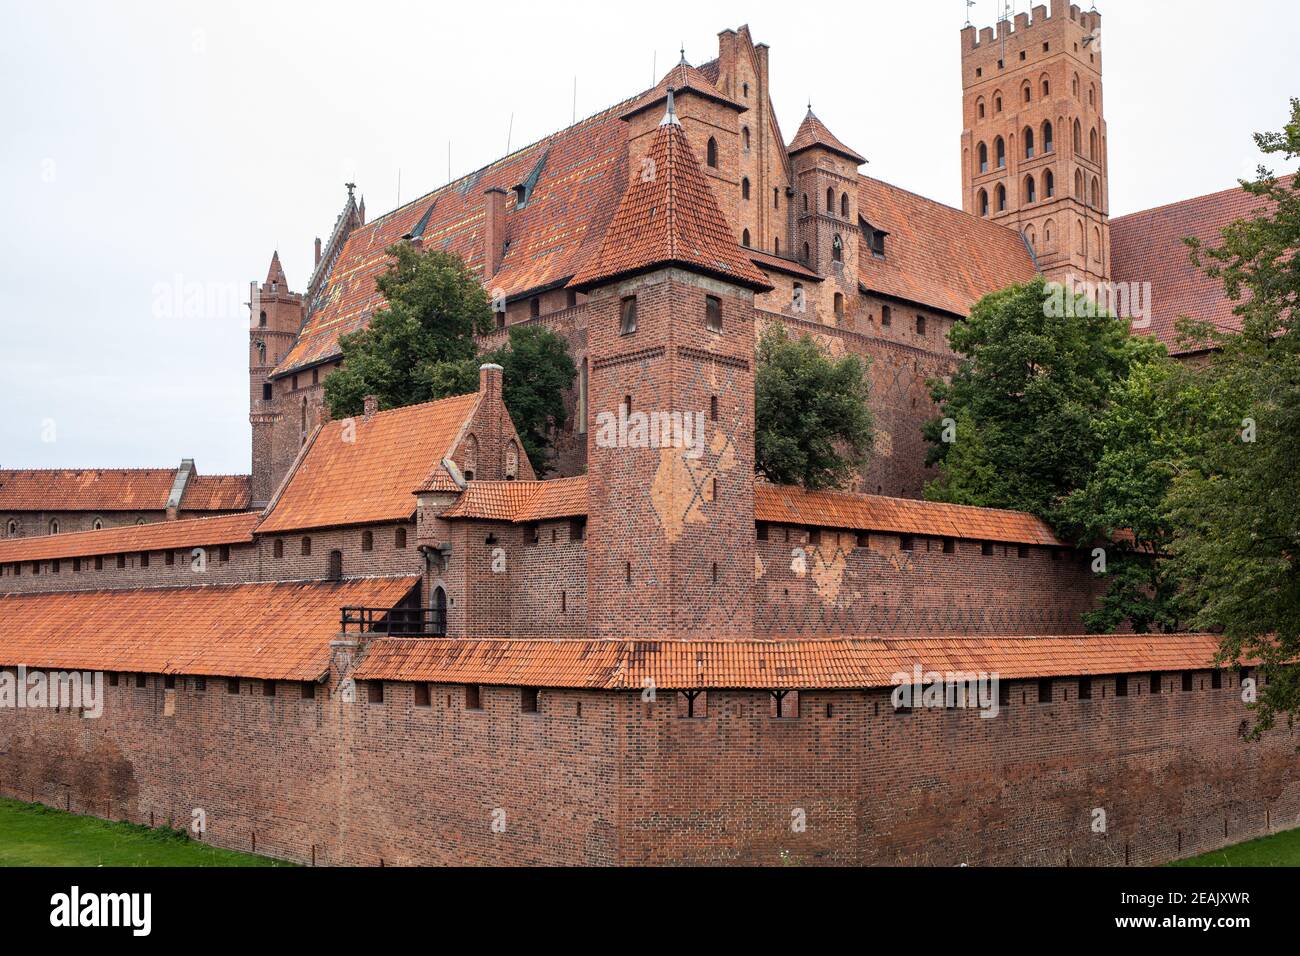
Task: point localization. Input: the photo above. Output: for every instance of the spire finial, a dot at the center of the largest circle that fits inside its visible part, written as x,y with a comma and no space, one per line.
683,60
670,114
350,186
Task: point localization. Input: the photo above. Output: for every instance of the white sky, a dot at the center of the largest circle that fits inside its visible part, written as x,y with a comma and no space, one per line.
154,146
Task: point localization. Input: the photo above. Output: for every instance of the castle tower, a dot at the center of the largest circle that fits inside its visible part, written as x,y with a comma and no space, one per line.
1034,143
275,316
826,193
671,434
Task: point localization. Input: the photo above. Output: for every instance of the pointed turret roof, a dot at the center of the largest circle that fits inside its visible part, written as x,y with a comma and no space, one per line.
683,78
276,272
668,216
813,132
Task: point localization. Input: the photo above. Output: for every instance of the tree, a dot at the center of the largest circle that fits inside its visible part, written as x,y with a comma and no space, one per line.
1237,523
1015,429
420,347
812,426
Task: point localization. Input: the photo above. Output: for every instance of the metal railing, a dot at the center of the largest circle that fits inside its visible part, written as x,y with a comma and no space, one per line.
395,621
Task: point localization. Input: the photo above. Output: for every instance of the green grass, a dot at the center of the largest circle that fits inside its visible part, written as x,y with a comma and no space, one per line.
1280,849
35,835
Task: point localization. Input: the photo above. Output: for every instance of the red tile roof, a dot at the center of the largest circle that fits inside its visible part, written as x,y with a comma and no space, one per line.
365,470
158,536
1148,246
813,132
580,173
683,78
836,662
670,218
522,501
935,255
116,489
272,631
765,260
784,504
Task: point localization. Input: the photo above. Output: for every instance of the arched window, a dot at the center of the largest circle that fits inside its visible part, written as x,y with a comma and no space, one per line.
979,108
997,102
399,539
511,467
844,205
261,353
711,153
1000,153
1078,139
1047,136
776,245
335,572
261,319
1047,88
1096,244
11,528
1049,184
744,138
1093,151
745,90
830,199
744,188
54,526
1028,136
1030,237
1031,194
806,253
439,609
805,202
744,238
839,305
1078,184
1096,192
1027,93
367,540
1049,228
982,202
97,524
1079,232
469,456
1000,195
1074,86
837,249
983,154
1092,94
776,197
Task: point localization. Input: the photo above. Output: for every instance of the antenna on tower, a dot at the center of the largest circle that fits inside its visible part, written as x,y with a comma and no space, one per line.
448,160
575,99
399,185
969,4
654,67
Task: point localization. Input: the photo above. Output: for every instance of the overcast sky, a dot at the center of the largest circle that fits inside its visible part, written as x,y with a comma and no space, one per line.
153,154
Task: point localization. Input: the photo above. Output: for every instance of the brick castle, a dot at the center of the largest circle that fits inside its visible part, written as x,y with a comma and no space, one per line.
394,643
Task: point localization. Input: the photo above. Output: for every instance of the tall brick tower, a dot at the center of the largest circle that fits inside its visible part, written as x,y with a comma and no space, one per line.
275,316
1034,143
671,340
826,191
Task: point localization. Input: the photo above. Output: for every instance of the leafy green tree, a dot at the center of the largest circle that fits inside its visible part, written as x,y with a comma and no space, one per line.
1015,429
420,347
812,425
1237,517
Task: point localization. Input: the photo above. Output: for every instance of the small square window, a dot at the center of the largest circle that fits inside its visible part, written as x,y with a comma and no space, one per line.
473,697
528,700
1216,679
577,529
169,682
1085,688
1155,683
760,530
375,691
1121,685
308,690
268,688
906,543
863,539
200,685
232,685
986,548
112,680
949,546
1045,690
1187,680
1022,551
169,558
422,695
141,680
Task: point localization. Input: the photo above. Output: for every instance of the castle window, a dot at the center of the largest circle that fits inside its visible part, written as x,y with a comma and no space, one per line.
144,559
776,245
1078,184
1045,690
224,555
1121,685
837,249
1216,679
1187,680
627,316
367,540
1096,192
949,546
1028,136
99,563
528,700
1074,85
261,353
96,525
1000,152
500,317
261,319
1047,88
76,563
776,197
375,691
744,89
268,688
886,315
1022,551
1155,683
55,566
744,238
806,253
54,526
1078,138
982,202
439,608
830,199
1031,194
266,391
473,697
760,530
805,202
577,529
920,325
169,559
1000,194
277,549
1026,92
839,306
306,547
986,549
844,205
232,685
979,109
744,188
1047,136
862,539
983,153
997,104
744,138
535,306
906,543
1092,95
1049,186
1085,688
335,570
1093,151
11,528
711,153
315,376
713,408
121,562
421,695
532,533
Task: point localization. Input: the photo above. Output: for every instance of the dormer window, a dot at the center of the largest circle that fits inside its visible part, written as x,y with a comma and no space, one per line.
875,238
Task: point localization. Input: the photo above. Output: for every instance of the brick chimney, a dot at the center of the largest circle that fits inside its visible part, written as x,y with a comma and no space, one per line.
494,229
318,250
370,405
489,381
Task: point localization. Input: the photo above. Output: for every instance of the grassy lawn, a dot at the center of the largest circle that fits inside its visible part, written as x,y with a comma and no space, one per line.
1280,849
35,835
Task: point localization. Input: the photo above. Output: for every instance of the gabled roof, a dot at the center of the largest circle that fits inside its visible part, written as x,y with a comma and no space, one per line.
1148,247
669,218
117,489
683,78
800,663
275,272
522,501
813,132
936,256
271,631
363,470
158,536
568,206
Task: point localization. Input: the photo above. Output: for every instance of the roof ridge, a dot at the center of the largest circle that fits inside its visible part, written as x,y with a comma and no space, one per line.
172,588
1179,202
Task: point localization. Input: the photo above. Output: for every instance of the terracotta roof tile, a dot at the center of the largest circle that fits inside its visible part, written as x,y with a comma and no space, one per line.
115,489
835,662
813,132
765,260
217,493
522,501
1148,246
670,218
273,631
157,536
370,477
683,78
935,255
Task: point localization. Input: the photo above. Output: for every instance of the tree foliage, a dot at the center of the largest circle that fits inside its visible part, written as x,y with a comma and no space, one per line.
812,424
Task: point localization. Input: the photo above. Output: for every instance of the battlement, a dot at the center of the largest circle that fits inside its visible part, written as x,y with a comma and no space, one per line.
1042,24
